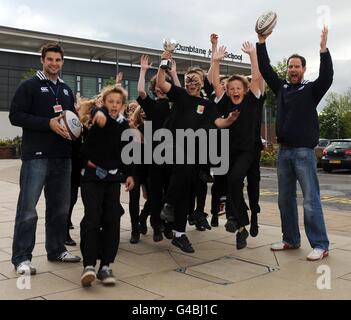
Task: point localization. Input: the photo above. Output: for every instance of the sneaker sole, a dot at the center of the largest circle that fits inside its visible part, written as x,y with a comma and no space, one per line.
109,282
324,255
87,279
284,249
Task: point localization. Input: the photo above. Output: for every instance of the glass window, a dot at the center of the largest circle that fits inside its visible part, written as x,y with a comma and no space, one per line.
89,87
133,90
70,81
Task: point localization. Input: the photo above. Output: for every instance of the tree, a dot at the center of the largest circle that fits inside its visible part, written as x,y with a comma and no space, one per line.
29,74
335,119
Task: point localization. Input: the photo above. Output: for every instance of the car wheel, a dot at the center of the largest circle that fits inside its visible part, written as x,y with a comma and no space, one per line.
327,169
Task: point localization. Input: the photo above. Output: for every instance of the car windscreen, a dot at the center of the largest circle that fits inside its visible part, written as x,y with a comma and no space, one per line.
340,144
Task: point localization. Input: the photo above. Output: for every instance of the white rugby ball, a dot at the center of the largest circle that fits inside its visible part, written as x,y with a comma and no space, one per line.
266,23
71,122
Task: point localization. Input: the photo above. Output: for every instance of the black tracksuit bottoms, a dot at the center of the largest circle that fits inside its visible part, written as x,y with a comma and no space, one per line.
253,183
236,209
180,192
100,227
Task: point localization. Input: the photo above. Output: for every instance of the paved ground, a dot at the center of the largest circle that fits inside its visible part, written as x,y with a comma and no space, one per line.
149,271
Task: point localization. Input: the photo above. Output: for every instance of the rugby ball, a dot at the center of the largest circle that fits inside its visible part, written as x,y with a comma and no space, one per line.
71,122
266,23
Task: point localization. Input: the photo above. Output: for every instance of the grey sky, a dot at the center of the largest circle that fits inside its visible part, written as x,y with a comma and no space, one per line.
146,23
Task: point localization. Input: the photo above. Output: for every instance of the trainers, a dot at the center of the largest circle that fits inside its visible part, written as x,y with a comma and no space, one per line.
317,254
183,244
135,237
106,276
167,213
66,257
157,236
26,267
231,225
214,220
142,224
88,276
69,241
254,230
241,237
280,246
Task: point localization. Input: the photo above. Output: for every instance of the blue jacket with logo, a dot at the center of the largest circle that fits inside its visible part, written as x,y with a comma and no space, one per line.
32,108
297,119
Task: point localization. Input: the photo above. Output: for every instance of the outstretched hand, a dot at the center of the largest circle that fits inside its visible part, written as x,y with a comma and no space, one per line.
248,48
219,54
119,78
144,62
262,38
129,184
324,39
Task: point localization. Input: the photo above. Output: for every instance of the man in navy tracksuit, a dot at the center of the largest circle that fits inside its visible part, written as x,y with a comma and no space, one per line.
46,161
297,130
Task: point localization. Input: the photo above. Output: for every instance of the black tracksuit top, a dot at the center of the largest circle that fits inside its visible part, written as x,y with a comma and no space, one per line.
32,108
297,119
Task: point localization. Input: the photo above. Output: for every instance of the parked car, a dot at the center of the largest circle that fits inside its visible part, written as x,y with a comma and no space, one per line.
318,150
337,155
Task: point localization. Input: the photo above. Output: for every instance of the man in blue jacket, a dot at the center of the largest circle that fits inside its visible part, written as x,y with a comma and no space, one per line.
46,161
297,130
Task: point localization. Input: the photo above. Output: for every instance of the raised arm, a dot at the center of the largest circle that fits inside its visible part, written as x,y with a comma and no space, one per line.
144,67
161,74
214,43
174,74
268,74
216,58
326,72
119,78
257,83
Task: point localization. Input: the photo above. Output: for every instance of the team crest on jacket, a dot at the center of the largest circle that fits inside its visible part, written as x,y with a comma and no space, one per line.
65,91
200,109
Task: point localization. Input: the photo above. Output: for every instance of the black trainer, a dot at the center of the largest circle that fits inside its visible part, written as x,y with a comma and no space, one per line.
231,225
135,237
214,220
183,244
203,221
106,277
69,241
196,217
241,239
167,213
157,237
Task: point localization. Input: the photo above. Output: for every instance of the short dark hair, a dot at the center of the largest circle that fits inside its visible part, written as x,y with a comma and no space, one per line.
297,56
51,47
242,79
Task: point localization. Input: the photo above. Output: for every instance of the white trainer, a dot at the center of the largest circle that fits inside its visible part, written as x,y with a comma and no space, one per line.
280,246
317,254
26,267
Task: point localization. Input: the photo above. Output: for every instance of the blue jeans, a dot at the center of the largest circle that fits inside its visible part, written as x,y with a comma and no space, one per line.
54,175
299,164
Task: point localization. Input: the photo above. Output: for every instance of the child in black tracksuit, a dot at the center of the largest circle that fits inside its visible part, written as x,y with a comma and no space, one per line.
100,187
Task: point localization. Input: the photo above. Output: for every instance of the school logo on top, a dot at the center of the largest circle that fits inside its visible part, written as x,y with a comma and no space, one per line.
65,91
200,109
44,89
